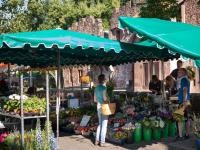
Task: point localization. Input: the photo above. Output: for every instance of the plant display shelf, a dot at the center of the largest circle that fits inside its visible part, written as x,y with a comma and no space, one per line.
19,117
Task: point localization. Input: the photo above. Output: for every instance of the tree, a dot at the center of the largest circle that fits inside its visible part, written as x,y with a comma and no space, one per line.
163,9
30,15
11,11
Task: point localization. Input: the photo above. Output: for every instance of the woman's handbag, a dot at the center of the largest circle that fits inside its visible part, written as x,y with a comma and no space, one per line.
108,108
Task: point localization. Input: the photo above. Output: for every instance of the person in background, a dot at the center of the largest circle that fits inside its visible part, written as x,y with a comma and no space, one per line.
183,100
170,86
100,97
3,85
155,85
174,73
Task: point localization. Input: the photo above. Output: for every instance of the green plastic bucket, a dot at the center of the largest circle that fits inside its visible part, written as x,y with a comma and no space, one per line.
172,129
147,134
165,130
156,133
137,135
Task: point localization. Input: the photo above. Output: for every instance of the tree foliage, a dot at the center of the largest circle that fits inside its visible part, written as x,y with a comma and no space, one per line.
163,9
30,15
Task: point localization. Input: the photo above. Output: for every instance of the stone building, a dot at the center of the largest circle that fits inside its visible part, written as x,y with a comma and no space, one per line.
190,11
134,76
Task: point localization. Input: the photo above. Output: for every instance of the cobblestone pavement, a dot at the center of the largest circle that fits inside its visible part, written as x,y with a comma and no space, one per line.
78,142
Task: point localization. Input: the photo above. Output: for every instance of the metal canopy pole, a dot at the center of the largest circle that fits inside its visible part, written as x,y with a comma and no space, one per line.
30,79
22,111
58,96
163,86
47,99
9,77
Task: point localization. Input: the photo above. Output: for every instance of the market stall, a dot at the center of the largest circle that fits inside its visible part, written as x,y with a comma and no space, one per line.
63,47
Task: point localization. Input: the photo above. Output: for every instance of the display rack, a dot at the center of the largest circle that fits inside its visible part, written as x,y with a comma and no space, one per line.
22,117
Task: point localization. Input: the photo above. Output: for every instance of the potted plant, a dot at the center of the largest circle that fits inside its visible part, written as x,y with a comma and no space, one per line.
196,129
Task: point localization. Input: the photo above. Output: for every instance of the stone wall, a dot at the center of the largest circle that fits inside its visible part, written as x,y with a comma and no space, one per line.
192,16
131,8
192,12
89,25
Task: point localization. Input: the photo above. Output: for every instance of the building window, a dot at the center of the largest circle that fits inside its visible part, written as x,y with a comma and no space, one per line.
146,74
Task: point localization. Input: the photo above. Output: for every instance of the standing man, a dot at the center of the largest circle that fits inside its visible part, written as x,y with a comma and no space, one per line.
184,99
100,97
174,73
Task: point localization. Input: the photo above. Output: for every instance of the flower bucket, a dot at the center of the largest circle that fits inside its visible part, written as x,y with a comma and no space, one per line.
172,129
198,144
156,133
147,134
137,134
165,130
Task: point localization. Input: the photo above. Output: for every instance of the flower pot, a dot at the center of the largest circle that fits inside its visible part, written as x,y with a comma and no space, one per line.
198,144
147,134
165,130
156,133
137,134
172,129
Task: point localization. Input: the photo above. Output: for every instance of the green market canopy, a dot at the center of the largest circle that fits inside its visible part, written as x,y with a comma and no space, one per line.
179,37
40,49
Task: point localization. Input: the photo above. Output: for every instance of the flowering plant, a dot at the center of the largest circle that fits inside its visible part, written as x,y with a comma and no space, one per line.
165,115
33,140
3,137
17,97
157,123
146,123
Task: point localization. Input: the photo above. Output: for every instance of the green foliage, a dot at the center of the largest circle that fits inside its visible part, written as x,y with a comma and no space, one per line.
19,15
163,9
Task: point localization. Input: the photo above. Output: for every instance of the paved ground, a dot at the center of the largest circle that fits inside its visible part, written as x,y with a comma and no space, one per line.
78,142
